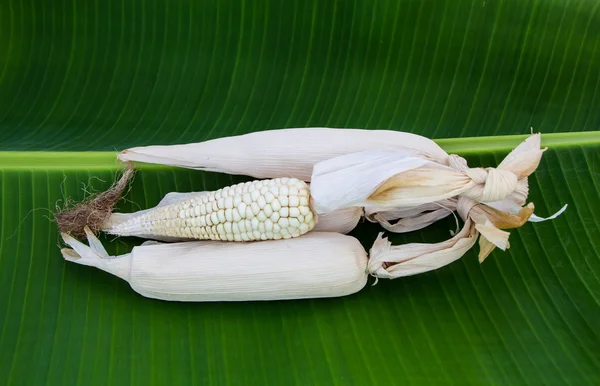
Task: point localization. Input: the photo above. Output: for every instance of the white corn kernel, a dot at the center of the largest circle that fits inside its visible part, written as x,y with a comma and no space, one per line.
283,200
276,205
275,216
255,208
261,202
269,225
268,210
236,215
242,209
269,197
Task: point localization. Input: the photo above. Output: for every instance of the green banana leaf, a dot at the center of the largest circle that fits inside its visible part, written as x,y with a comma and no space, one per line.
81,80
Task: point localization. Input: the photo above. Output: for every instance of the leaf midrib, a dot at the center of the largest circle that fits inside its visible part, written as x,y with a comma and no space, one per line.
106,160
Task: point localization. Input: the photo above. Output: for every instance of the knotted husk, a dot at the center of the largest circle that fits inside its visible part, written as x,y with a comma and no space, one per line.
398,181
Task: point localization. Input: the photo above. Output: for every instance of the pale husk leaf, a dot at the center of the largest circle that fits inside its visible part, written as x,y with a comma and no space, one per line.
387,261
348,180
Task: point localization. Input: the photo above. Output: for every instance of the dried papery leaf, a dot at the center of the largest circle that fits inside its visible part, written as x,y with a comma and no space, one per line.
284,152
387,261
494,235
525,158
390,214
485,248
408,224
341,221
401,220
504,220
509,206
345,181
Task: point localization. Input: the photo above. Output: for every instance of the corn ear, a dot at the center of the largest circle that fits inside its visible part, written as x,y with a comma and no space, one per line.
169,220
283,152
422,172
317,265
254,210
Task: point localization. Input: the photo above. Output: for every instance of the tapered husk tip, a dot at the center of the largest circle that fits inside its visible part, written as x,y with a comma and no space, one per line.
94,211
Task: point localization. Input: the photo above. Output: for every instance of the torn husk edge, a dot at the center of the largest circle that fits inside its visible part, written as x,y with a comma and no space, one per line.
94,211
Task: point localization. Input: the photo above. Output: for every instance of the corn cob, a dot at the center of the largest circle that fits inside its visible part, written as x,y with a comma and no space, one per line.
317,265
256,210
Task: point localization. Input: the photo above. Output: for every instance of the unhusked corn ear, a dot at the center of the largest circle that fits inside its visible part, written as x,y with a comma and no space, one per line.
285,152
317,265
256,210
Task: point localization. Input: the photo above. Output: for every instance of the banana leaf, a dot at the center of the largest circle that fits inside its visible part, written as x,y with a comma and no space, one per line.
81,80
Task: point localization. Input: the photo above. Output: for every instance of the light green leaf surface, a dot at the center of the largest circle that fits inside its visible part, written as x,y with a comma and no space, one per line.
80,80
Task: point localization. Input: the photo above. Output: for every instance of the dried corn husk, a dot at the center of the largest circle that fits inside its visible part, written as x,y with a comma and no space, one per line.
284,152
410,219
317,265
481,221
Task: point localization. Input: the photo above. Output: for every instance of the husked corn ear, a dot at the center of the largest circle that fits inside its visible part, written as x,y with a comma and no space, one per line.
317,265
256,210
